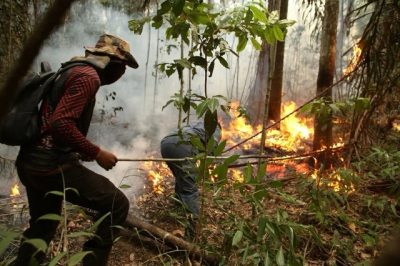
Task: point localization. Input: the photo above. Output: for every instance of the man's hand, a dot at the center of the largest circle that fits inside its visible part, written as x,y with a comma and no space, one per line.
106,159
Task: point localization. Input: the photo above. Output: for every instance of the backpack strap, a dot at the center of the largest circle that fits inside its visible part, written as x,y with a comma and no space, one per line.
55,88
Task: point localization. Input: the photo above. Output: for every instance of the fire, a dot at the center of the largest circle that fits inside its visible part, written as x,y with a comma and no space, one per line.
239,129
293,131
396,126
354,61
156,172
291,136
294,135
15,191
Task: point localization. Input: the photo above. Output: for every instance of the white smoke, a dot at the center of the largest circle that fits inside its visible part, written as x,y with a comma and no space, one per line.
136,130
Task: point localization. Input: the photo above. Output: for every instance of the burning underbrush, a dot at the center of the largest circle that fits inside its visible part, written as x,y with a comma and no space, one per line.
291,140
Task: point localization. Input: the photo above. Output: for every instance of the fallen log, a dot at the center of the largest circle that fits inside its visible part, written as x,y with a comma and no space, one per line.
155,231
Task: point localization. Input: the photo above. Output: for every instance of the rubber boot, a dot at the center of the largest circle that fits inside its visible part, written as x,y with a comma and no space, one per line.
97,257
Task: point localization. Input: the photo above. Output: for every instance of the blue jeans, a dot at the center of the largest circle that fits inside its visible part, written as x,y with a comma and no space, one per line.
185,173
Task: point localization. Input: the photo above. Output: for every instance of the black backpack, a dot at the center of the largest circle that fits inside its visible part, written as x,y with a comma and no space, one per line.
21,124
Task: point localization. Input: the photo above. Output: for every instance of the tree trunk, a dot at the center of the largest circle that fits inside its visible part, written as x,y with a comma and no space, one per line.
15,26
275,101
54,18
255,100
326,72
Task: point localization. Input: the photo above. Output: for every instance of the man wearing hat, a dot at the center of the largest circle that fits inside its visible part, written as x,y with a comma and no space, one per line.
53,162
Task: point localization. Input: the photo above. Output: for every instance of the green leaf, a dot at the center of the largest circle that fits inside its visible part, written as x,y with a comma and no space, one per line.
77,258
178,7
267,260
98,222
260,194
220,148
72,189
291,238
223,62
199,61
237,237
82,233
184,63
211,68
165,7
38,243
258,14
54,261
157,22
231,159
201,108
261,228
197,143
255,43
269,36
280,259
123,186
57,193
210,122
361,104
278,33
242,43
51,217
213,104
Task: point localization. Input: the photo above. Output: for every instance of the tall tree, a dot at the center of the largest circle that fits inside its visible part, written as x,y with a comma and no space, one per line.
275,100
326,73
14,29
255,100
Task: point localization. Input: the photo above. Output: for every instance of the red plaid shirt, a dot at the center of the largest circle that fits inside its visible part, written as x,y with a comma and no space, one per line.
61,126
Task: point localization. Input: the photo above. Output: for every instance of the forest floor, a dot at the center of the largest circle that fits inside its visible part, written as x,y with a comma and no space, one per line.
297,218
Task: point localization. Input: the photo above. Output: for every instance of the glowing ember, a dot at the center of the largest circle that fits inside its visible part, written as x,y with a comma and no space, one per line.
354,61
236,175
15,191
396,126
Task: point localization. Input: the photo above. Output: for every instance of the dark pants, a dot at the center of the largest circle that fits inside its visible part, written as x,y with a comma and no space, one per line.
185,172
84,188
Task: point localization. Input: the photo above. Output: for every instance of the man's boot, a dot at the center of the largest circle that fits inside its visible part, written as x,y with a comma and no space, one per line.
98,256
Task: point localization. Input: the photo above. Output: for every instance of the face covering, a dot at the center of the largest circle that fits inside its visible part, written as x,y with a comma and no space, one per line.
112,72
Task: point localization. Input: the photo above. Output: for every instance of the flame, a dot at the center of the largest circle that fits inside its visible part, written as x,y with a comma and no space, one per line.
15,191
156,172
354,60
294,135
291,136
396,126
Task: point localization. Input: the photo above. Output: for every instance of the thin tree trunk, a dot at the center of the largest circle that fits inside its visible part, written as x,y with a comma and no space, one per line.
326,73
181,90
147,61
255,100
275,100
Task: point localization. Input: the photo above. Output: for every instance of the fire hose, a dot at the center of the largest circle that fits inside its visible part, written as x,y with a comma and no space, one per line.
249,156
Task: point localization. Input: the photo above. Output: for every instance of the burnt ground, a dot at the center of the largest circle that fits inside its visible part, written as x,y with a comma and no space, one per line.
344,222
130,249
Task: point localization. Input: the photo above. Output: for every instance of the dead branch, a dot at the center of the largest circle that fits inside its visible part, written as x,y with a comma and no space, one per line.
156,232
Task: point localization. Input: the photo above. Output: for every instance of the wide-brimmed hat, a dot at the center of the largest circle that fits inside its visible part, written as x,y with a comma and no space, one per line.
115,47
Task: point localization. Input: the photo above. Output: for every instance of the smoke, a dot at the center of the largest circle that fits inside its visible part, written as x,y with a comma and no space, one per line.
128,118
